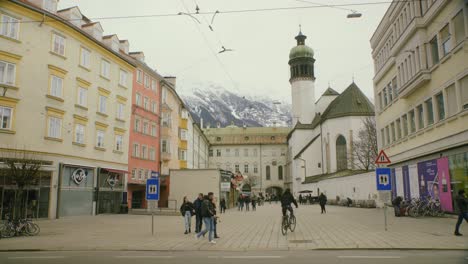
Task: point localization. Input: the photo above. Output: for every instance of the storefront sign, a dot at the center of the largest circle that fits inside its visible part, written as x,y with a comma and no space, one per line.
406,183
427,172
112,180
445,191
225,186
79,175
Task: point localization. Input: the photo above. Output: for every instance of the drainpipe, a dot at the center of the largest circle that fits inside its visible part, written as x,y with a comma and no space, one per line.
261,169
321,145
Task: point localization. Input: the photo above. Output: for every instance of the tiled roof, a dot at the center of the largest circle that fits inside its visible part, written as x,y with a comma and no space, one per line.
330,91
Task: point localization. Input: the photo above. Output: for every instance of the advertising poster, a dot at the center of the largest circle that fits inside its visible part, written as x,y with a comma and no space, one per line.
406,183
443,185
393,182
427,172
413,179
399,182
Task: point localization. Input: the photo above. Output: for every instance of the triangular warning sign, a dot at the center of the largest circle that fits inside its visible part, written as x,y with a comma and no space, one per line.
382,158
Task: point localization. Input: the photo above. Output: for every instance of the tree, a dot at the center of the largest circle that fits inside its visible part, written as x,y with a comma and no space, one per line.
364,150
21,169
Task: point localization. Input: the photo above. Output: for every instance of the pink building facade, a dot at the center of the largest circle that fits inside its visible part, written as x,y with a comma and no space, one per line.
144,154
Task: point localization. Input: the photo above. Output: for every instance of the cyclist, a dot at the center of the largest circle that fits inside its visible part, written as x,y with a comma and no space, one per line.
286,200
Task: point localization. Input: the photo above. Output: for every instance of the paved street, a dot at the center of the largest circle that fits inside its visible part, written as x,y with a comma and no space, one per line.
198,257
340,228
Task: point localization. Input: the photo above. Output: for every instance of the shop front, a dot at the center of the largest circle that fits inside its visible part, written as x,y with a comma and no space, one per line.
76,192
110,190
34,200
136,195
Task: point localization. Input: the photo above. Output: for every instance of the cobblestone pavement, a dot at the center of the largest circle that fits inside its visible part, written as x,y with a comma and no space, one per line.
340,228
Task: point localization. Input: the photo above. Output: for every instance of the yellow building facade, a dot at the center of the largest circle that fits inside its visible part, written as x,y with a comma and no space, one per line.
66,97
420,53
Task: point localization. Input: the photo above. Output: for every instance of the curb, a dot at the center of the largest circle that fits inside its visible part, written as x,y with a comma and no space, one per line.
230,250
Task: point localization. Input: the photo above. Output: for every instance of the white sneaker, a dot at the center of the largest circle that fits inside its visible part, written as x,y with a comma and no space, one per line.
213,242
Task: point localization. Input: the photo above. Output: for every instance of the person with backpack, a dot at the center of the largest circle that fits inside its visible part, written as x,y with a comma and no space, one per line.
323,201
247,203
208,213
397,205
187,210
198,217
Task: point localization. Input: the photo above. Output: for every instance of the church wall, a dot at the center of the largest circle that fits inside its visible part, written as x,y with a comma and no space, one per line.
313,157
303,101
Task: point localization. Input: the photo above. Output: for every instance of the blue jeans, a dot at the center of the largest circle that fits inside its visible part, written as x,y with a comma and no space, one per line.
461,216
188,220
209,228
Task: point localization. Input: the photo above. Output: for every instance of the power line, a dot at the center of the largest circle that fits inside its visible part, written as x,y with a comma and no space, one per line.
255,10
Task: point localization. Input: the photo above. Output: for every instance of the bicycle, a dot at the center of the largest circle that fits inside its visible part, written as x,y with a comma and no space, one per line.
288,222
13,228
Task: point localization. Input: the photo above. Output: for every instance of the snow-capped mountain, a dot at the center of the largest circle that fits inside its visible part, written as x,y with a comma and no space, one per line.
217,105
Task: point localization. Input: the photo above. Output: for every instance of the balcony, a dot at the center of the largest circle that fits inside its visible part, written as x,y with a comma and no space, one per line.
166,156
419,79
183,144
165,131
183,164
183,123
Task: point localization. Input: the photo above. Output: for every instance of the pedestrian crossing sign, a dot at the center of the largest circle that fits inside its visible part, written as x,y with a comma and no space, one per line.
382,158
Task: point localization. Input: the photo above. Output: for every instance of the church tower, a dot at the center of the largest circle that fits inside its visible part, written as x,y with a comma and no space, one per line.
301,63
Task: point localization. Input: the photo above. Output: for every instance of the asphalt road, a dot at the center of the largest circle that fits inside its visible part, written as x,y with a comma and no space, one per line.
254,257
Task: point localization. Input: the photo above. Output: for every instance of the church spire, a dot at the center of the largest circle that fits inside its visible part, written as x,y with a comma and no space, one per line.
300,37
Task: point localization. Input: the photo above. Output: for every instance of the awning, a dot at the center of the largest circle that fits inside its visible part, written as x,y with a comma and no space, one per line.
114,170
306,191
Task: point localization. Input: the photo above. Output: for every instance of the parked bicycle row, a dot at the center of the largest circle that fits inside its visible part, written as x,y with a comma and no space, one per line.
19,227
417,207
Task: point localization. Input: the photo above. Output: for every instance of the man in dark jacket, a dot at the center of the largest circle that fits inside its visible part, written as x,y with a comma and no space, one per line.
286,200
397,205
198,216
208,212
461,203
323,201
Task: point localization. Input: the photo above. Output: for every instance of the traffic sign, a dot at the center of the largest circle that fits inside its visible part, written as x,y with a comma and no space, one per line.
382,158
383,178
154,174
152,189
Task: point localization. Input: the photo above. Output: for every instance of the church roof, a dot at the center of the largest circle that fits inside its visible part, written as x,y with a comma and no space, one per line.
331,92
352,102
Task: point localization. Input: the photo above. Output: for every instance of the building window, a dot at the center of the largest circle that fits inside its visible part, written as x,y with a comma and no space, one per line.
412,121
105,69
398,128
387,134
392,128
165,148
236,152
228,152
152,154
79,133
405,125
153,85
144,152
255,169
163,95
118,142
7,73
82,97
440,106
145,128
85,59
464,92
268,174
420,112
246,168
459,27
452,106
154,107
140,174
255,152
210,152
445,38
382,135
58,46
139,76
228,166
183,135
390,93
246,152
10,26
395,88
280,173
100,139
429,112
434,50
147,81
341,153
133,173
146,103
5,117
137,124
123,78
153,130
56,86
236,167
385,96
120,111
182,155
55,127
102,104
218,153
138,99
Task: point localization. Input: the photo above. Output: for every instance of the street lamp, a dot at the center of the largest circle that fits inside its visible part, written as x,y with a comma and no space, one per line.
354,14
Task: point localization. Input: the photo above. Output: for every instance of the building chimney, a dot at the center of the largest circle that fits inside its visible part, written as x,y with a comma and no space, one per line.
171,80
201,122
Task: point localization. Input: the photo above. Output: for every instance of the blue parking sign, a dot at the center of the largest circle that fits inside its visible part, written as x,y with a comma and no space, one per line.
152,189
384,179
154,174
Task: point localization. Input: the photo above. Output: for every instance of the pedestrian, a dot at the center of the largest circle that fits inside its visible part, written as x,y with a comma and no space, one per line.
462,205
187,210
300,199
254,203
215,216
240,202
207,211
322,201
222,206
397,205
198,216
349,202
247,203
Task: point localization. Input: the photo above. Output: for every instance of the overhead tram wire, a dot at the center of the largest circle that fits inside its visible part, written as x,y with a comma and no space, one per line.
258,10
211,50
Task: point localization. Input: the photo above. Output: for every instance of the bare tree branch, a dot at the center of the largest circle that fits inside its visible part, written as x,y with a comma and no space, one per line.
364,148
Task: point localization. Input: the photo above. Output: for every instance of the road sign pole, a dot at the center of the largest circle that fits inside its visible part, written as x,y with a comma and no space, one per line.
385,216
152,220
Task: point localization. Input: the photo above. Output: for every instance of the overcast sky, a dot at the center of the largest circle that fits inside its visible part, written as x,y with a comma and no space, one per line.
181,47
